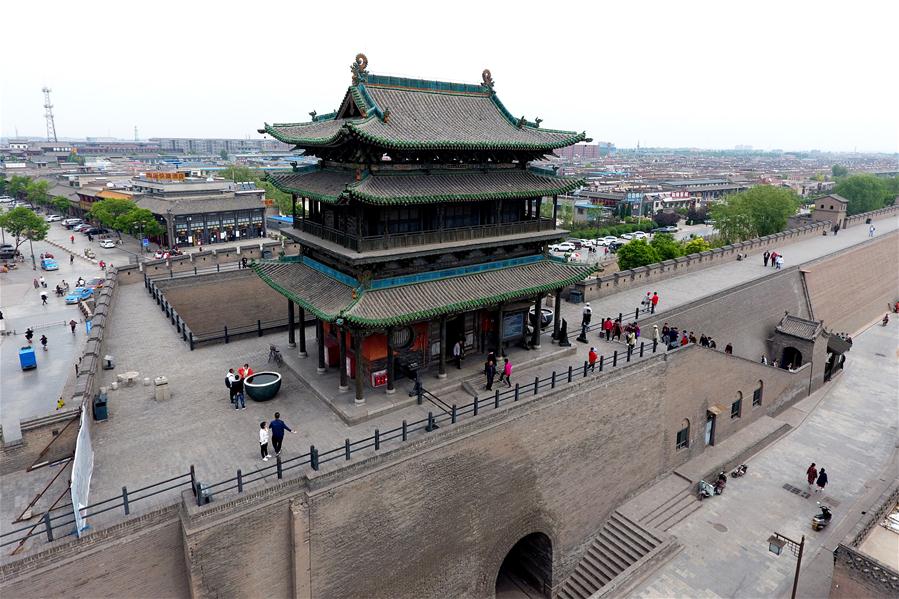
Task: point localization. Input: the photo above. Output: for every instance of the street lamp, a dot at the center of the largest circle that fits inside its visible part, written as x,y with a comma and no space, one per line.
776,544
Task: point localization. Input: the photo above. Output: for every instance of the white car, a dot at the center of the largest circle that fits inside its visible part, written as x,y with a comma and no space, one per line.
107,244
565,246
610,239
6,199
628,236
640,235
53,218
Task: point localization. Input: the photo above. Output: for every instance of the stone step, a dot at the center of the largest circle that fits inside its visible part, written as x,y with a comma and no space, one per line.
585,582
677,504
621,548
661,508
680,515
573,590
647,538
607,557
602,571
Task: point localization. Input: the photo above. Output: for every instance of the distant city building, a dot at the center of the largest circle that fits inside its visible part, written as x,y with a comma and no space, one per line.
586,151
196,145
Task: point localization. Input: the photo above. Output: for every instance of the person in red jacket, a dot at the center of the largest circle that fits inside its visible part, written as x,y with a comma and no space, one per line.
655,301
591,358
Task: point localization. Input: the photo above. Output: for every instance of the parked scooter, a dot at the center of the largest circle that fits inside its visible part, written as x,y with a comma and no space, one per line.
823,519
739,471
720,483
705,490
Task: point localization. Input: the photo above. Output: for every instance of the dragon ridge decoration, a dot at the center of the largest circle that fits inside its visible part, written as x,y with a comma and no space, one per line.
360,75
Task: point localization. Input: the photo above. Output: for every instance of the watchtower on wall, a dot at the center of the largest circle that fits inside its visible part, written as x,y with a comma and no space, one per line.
831,208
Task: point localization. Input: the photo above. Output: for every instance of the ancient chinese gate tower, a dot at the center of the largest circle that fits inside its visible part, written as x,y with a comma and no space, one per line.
420,226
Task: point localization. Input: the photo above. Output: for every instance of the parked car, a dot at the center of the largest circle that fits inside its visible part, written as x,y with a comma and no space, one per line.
79,293
668,229
95,283
628,236
615,246
49,264
641,235
52,218
95,231
81,226
71,222
565,246
107,243
6,199
610,239
7,252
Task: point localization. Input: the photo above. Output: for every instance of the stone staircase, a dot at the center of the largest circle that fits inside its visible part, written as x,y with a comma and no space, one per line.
672,510
615,550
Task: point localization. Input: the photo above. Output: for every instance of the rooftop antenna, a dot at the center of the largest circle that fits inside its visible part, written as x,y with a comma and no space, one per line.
48,114
136,138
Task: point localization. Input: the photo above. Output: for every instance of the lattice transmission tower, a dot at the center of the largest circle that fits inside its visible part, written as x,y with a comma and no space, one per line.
48,114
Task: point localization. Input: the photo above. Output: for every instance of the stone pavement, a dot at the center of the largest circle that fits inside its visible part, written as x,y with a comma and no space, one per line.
850,429
683,289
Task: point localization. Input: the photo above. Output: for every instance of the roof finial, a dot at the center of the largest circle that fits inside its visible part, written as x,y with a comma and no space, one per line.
360,75
487,80
313,114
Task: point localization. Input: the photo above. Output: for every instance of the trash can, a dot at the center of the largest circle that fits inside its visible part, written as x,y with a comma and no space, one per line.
107,362
101,412
162,388
575,296
205,493
27,358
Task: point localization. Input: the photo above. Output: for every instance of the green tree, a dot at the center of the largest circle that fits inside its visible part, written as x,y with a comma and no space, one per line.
61,204
666,218
665,246
636,253
696,245
36,191
23,224
864,192
139,221
759,211
838,171
224,154
16,186
3,183
108,211
237,172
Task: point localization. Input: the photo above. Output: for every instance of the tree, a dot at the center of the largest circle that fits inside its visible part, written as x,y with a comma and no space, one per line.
3,183
696,245
838,171
61,204
36,192
666,219
636,253
108,211
244,173
864,192
665,246
224,154
139,221
697,214
24,225
759,211
17,184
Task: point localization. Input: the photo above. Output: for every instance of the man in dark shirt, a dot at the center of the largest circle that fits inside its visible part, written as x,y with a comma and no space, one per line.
277,427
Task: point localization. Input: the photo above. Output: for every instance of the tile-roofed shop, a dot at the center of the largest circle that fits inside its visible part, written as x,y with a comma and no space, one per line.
422,225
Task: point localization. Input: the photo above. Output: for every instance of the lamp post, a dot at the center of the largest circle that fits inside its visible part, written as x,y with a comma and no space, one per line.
777,542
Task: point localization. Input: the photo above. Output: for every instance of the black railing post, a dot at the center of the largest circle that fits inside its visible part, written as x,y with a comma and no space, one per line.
313,457
630,350
585,367
47,526
536,384
125,501
620,315
516,392
218,268
553,386
642,343
637,314
377,439
405,432
193,479
177,323
655,344
278,464
190,335
601,360
239,481
615,358
476,402
453,414
259,327
346,449
570,370
418,392
195,270
226,333
430,426
171,273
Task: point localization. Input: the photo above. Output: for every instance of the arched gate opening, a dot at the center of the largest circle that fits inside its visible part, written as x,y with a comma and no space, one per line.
527,569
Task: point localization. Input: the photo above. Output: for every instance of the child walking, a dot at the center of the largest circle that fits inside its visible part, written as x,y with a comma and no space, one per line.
263,441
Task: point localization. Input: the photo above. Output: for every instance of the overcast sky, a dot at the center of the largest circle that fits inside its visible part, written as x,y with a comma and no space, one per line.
786,74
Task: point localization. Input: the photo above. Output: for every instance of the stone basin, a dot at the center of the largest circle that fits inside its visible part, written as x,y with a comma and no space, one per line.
262,386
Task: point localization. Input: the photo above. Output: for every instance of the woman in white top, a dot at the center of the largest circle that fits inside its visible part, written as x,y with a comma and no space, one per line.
263,441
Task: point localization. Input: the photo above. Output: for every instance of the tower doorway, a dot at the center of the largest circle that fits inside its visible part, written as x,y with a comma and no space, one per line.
791,358
527,570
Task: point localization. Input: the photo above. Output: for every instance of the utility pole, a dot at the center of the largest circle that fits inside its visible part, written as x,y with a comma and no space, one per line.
48,114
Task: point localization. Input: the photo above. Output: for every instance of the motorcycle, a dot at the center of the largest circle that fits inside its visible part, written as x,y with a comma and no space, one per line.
821,520
739,471
720,483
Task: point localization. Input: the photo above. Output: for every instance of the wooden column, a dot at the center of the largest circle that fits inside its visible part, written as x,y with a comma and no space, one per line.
539,203
555,210
320,339
499,329
357,349
303,353
293,209
390,359
359,213
291,326
441,371
538,305
557,314
341,344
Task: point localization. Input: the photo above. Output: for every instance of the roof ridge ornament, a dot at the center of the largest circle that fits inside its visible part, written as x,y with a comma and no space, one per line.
487,80
360,75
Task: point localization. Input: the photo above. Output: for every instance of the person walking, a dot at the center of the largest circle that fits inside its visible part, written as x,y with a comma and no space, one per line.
43,298
811,475
237,388
646,302
871,231
586,317
36,284
71,259
263,441
685,339
72,239
506,375
277,428
229,382
773,259
656,337
29,334
490,370
765,257
72,325
712,343
655,302
616,330
44,342
631,339
765,363
822,481
780,262
607,328
591,359
729,349
43,282
457,354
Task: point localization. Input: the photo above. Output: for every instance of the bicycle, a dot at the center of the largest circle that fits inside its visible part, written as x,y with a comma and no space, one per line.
275,354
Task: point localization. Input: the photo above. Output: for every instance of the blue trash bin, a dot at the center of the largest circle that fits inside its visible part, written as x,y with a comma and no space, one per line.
27,358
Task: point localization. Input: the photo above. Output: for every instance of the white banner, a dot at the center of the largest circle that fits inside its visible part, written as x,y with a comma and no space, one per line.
82,468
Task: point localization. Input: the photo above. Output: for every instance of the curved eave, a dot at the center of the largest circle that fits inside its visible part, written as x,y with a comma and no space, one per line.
361,134
312,195
431,199
257,268
302,142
